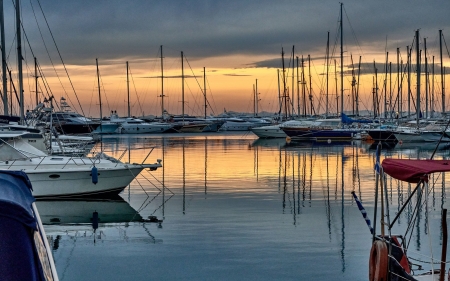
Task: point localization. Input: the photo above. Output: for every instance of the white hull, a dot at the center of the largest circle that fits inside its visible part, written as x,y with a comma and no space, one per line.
63,176
237,126
77,183
273,131
144,128
419,137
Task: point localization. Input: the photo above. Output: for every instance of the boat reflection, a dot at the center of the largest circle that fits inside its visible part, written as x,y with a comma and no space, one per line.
277,142
81,212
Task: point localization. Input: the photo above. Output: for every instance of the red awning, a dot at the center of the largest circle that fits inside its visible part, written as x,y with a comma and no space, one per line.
413,170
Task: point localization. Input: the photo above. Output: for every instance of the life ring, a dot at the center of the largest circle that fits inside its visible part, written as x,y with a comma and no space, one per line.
378,262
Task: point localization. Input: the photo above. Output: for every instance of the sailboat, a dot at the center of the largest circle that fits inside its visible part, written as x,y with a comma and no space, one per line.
389,253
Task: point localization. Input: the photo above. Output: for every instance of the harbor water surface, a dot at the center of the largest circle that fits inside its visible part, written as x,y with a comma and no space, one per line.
234,207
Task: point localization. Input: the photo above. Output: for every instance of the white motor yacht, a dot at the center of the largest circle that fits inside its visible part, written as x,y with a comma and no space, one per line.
65,177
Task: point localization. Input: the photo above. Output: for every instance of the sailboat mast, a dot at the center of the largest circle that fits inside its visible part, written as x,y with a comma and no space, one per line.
292,90
310,86
5,85
357,87
19,62
162,83
385,87
182,85
99,92
298,90
399,94
426,77
256,98
327,63
128,92
204,88
432,89
418,77
408,50
342,62
303,87
442,72
36,84
280,103
284,84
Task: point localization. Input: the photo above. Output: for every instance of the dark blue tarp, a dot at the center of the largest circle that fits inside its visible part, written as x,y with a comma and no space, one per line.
347,120
18,256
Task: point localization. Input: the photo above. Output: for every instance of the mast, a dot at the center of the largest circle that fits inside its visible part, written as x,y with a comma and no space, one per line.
204,88
426,77
256,98
100,101
336,84
128,92
327,62
303,87
377,106
310,86
284,84
399,104
162,84
5,85
99,93
292,90
390,81
432,89
182,85
19,62
418,77
408,50
353,85
385,87
342,63
36,84
280,103
357,87
442,73
298,91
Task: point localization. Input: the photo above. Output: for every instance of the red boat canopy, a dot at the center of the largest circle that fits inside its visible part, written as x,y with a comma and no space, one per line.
414,170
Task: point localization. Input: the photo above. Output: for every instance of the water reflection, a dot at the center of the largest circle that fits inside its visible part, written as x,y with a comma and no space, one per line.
81,212
250,205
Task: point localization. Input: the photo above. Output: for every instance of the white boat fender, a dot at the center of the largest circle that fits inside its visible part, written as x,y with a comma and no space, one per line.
94,173
95,220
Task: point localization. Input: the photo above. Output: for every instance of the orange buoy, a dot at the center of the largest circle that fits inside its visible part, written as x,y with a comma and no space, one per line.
378,262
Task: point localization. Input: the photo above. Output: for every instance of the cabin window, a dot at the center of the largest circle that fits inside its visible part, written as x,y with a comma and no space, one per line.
54,176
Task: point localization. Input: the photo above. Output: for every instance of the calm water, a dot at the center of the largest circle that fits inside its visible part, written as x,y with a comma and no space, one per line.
237,208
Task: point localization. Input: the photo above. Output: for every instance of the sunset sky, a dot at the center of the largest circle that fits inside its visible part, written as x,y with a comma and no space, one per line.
236,41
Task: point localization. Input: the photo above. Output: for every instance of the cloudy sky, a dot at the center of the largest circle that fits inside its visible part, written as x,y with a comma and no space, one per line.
236,41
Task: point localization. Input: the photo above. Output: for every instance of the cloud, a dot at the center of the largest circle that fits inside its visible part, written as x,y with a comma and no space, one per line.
115,29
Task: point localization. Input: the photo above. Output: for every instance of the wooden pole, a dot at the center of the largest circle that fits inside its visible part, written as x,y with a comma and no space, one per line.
444,244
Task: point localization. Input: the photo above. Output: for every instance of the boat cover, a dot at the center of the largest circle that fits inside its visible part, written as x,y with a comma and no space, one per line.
413,171
18,256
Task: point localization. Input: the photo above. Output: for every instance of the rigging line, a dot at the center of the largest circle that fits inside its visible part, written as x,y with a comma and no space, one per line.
104,92
59,53
207,100
445,45
416,215
353,32
46,49
45,82
202,90
135,91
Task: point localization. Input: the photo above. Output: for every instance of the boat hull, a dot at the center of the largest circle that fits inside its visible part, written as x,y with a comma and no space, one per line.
68,184
382,135
269,132
144,128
